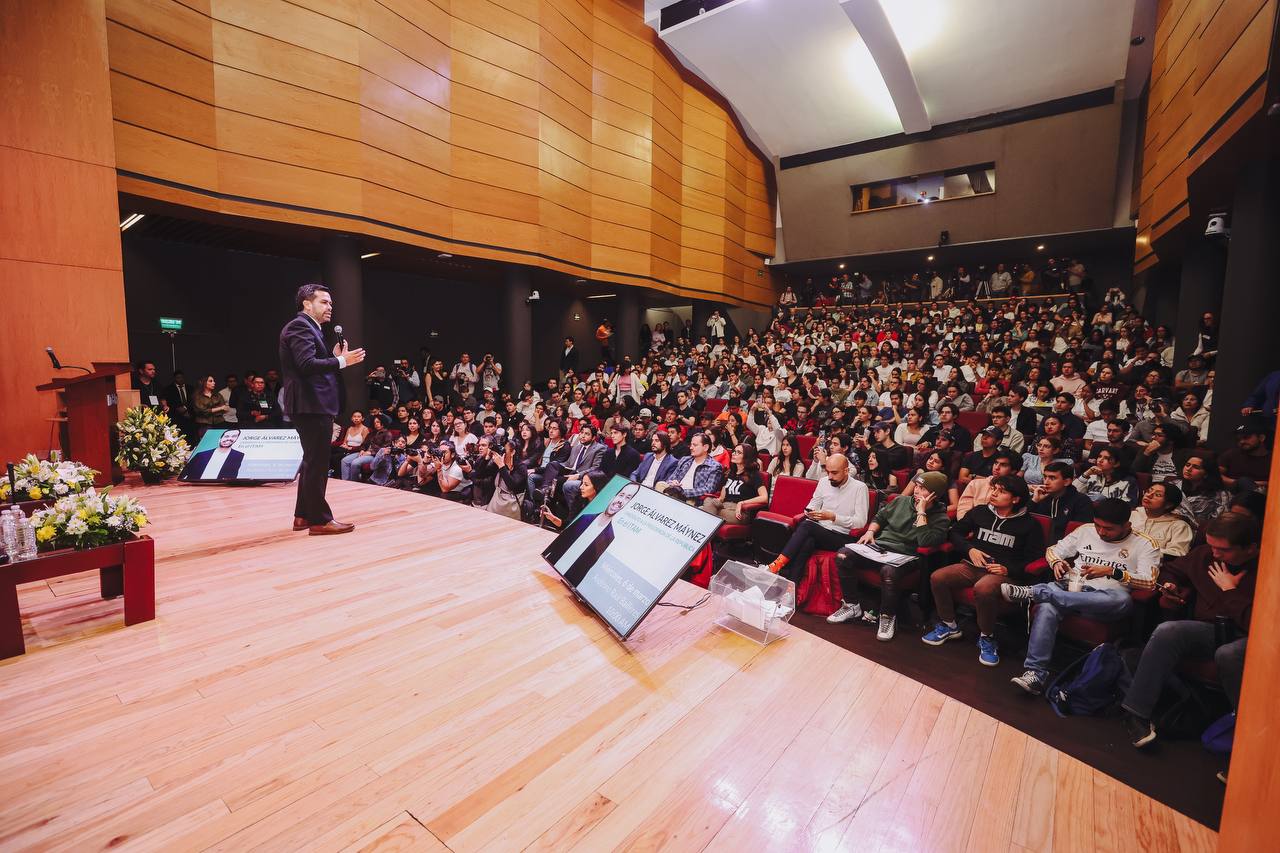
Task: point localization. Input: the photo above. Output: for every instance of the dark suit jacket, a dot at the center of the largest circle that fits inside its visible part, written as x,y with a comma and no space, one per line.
569,360
1027,424
230,468
309,369
560,546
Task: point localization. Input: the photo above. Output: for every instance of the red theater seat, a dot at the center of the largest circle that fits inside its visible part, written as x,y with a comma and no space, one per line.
715,406
973,421
806,443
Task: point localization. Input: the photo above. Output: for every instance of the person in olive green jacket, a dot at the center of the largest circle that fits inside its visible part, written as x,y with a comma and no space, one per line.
902,526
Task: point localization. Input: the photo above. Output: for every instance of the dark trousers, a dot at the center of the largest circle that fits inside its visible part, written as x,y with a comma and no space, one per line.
848,564
809,535
315,433
1172,643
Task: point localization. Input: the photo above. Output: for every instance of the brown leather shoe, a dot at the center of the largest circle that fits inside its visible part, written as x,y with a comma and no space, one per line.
331,529
300,523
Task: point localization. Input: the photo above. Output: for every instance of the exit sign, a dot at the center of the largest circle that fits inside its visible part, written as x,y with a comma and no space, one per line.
171,324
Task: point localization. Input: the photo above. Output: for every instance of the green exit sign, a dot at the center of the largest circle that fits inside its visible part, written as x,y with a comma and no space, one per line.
171,324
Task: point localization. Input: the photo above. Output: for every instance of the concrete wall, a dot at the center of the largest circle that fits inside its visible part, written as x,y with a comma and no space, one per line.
1053,175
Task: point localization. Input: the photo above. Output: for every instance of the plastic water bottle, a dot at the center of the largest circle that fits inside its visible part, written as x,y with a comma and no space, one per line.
28,538
9,534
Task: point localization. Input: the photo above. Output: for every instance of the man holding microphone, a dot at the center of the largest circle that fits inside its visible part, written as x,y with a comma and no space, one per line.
310,399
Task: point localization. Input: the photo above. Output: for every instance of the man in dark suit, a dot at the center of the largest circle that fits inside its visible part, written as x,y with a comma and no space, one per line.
575,551
225,461
311,401
568,359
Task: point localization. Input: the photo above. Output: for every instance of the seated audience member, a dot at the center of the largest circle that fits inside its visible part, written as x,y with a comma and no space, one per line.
1219,579
1009,436
354,464
621,459
788,462
443,477
1048,448
979,462
592,484
351,439
839,505
743,491
484,471
1115,441
1156,457
555,450
1059,501
1108,478
947,413
936,460
1203,495
1192,416
998,540
695,476
586,456
890,455
902,526
1247,466
656,465
259,408
1095,566
1159,520
679,447
1264,399
386,462
1096,431
979,488
764,425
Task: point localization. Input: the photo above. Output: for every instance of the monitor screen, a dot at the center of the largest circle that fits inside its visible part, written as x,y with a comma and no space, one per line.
231,455
626,548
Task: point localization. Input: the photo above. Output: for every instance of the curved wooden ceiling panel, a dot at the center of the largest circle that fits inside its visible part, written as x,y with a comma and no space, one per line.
560,134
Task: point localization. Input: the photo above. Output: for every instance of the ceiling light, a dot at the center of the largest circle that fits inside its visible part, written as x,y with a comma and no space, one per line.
370,255
131,220
916,24
1040,248
929,258
579,281
603,296
842,266
444,255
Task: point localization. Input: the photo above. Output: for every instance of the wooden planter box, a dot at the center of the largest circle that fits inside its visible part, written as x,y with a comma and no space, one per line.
126,568
28,507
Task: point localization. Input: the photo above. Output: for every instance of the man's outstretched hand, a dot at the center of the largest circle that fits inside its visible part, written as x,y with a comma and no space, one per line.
352,356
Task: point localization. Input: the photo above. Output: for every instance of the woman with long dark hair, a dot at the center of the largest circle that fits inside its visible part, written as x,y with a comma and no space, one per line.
788,462
1204,497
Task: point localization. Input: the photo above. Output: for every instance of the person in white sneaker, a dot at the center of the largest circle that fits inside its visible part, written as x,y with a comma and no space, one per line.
902,526
1110,559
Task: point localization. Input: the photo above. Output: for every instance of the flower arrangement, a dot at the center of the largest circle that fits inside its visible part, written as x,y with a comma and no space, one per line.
151,444
38,479
87,520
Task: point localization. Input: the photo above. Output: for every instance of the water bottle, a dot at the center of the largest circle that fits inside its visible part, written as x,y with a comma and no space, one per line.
29,535
9,533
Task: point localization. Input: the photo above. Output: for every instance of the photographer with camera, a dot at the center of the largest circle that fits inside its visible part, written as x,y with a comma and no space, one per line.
464,377
406,380
382,389
442,476
764,425
490,373
482,470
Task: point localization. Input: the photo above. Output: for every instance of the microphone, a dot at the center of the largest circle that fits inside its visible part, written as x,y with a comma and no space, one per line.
57,365
337,330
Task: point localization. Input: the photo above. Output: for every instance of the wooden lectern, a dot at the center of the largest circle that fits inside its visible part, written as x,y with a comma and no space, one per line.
90,405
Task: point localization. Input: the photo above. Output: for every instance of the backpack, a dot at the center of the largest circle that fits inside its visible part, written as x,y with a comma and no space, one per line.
1090,685
1220,734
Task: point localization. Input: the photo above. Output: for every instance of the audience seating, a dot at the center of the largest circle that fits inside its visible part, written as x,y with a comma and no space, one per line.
715,406
806,443
973,421
771,527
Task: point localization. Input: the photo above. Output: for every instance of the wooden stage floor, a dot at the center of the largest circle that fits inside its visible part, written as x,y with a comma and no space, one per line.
425,683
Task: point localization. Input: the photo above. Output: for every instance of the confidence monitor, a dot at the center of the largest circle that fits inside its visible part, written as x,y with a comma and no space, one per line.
626,548
244,456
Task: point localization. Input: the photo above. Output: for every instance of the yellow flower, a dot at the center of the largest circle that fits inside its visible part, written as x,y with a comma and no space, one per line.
35,493
140,519
83,513
44,534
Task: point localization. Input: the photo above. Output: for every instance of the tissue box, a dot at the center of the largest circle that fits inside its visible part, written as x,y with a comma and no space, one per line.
753,601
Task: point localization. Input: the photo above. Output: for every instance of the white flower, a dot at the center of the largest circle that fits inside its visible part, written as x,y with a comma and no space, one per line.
60,488
114,521
76,526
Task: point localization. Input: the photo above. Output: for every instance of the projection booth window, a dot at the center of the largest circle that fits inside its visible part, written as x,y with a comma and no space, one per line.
960,182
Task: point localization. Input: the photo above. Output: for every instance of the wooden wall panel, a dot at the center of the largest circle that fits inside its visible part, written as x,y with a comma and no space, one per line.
1208,54
554,132
60,270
